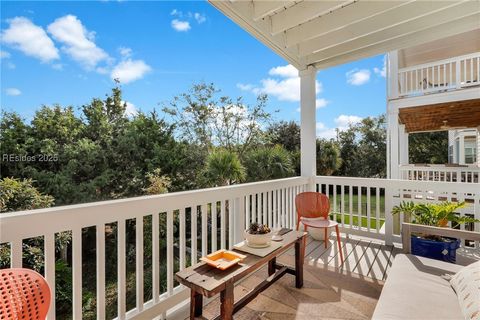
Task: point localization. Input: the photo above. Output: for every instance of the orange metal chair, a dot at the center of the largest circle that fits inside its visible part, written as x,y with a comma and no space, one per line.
24,294
316,205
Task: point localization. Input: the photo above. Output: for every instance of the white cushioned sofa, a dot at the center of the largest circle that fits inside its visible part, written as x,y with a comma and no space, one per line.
420,288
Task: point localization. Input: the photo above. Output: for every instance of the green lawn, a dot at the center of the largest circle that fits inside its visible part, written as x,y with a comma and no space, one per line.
346,210
364,221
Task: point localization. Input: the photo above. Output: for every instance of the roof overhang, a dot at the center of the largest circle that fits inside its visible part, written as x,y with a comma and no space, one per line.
328,33
441,116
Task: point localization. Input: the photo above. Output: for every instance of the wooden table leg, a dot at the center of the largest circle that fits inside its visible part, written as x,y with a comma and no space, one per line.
299,258
196,304
271,266
226,300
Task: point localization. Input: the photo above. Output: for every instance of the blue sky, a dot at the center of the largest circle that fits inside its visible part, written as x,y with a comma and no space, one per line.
68,52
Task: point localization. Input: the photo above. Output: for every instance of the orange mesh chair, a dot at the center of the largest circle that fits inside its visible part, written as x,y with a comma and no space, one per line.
316,205
24,294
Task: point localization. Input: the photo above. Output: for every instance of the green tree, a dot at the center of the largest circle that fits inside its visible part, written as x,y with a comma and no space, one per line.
328,157
16,195
428,147
223,168
266,163
285,134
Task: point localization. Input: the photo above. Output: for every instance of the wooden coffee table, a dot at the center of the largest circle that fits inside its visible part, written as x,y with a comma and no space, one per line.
204,280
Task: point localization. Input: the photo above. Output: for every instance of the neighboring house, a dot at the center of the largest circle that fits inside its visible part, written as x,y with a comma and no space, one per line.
463,147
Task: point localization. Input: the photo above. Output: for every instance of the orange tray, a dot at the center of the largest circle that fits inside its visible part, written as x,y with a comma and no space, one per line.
223,259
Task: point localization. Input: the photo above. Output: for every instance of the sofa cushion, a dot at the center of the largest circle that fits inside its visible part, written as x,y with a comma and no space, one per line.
466,284
418,288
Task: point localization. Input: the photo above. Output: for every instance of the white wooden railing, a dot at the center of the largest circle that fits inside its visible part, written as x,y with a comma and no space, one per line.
449,74
198,222
218,217
468,174
363,205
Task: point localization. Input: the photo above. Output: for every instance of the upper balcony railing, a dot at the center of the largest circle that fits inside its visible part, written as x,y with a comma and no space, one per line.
163,234
461,173
440,76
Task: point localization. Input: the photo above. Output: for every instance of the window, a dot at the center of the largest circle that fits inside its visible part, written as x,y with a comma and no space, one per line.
470,150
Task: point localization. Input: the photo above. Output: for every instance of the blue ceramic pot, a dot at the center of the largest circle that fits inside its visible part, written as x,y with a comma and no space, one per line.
438,250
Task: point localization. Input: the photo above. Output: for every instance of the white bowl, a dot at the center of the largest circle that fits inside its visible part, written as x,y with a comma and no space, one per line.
258,240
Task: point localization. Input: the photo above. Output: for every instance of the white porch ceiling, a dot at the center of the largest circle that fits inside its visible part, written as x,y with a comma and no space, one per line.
327,33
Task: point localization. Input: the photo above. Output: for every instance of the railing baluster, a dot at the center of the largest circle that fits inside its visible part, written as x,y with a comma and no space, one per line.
121,270
254,208
100,255
77,272
170,252
49,241
204,214
334,202
231,222
350,204
369,190
342,204
16,254
275,213
139,262
359,202
183,237
156,257
213,214
223,230
377,208
264,208
248,211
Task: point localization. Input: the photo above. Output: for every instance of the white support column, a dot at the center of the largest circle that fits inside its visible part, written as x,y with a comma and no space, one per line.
392,75
308,135
478,146
461,147
393,129
403,136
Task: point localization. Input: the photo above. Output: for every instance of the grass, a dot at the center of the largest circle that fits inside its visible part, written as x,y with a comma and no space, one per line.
364,221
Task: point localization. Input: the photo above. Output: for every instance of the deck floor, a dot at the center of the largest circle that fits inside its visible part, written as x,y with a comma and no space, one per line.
365,257
332,290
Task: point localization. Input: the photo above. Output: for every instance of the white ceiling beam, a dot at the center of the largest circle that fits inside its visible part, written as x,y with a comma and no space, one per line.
241,12
264,8
397,31
338,19
303,12
451,28
413,15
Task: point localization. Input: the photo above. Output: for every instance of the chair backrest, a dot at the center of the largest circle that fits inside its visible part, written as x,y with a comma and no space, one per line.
312,205
24,294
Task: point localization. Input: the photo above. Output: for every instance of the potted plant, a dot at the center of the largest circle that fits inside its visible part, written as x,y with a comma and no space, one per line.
258,235
438,215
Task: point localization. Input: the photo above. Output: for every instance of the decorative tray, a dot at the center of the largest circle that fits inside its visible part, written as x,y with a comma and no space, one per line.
223,259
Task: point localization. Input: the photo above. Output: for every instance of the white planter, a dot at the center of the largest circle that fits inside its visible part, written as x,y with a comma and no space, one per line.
258,239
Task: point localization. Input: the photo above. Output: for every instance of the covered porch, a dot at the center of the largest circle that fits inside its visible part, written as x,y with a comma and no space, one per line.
310,35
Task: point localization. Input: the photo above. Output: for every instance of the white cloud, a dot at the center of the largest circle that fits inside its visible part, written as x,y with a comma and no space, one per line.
287,71
382,72
11,65
344,121
325,132
244,87
285,89
180,26
131,109
13,92
358,77
4,54
57,66
176,12
320,103
79,42
130,70
125,52
31,39
199,17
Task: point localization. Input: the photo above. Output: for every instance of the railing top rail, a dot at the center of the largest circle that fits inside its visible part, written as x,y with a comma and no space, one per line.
24,224
440,168
439,62
435,186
